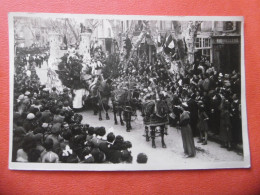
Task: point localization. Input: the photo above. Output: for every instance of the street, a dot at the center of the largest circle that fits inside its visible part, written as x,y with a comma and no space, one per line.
212,152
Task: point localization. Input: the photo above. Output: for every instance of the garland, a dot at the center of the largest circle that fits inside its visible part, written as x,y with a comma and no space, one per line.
69,71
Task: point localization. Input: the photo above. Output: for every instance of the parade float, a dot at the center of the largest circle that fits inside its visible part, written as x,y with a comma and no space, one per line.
65,64
55,54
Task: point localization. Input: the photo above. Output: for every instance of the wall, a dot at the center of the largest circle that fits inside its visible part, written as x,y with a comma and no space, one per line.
233,181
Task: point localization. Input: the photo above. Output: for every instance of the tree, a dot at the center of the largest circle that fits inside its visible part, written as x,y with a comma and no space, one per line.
186,39
66,27
93,23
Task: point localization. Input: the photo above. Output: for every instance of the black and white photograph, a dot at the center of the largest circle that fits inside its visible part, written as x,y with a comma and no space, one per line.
127,92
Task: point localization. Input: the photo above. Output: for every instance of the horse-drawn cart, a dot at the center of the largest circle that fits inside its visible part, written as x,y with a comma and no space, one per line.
155,119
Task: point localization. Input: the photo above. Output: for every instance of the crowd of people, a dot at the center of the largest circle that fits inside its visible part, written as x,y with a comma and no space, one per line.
46,128
201,99
209,97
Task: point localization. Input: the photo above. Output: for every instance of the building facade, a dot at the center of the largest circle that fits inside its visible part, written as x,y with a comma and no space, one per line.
220,42
31,32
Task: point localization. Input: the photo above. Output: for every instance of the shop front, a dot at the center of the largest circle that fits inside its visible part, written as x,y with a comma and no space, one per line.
226,53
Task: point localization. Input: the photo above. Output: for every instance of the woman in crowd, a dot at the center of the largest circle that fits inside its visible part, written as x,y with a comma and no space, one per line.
225,125
203,124
186,133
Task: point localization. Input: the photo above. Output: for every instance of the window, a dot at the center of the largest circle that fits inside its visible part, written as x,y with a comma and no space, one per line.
207,42
206,52
202,43
161,25
206,26
229,26
122,26
198,43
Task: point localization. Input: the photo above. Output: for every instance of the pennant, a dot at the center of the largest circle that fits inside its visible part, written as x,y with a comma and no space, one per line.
159,49
171,45
169,42
185,45
165,39
159,41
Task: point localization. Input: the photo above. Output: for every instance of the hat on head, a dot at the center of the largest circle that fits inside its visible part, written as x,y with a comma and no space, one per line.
56,128
128,144
91,130
101,131
27,93
45,89
45,125
126,155
66,103
119,138
110,137
21,97
16,115
226,76
19,131
38,130
38,137
185,105
142,158
65,125
30,116
38,114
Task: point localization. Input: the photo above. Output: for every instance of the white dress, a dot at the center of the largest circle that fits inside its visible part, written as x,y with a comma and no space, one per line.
77,100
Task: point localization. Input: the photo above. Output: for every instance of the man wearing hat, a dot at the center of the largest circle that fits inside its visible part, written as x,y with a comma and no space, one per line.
28,123
106,146
54,95
225,124
46,115
54,136
202,123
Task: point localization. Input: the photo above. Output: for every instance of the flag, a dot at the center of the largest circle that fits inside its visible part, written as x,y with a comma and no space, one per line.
169,42
159,43
171,45
159,40
185,45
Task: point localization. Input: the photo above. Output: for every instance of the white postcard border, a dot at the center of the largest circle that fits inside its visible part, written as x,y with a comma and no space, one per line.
128,167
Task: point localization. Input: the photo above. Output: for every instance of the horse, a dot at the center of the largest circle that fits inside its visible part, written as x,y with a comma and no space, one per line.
100,92
156,116
123,103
